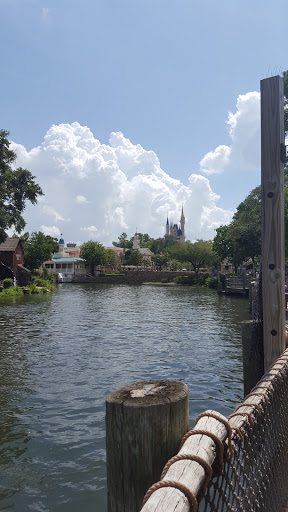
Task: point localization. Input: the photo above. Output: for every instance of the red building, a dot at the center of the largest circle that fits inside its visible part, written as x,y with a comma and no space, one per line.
11,261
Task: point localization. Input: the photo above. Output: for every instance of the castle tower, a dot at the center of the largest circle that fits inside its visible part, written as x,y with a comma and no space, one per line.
182,224
136,242
167,227
61,244
178,233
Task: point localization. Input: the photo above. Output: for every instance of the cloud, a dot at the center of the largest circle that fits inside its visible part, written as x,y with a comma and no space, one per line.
244,131
91,229
95,190
91,232
44,12
50,230
51,212
215,161
81,199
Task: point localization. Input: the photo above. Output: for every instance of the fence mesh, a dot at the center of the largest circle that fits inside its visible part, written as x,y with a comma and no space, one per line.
255,478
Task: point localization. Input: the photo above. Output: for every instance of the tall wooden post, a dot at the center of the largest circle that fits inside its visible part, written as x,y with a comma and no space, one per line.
272,187
145,422
252,345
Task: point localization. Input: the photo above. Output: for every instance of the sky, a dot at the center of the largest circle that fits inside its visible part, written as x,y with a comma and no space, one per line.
125,110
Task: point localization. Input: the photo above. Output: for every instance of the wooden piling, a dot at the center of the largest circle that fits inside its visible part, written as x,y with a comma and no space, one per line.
219,287
145,422
272,200
253,357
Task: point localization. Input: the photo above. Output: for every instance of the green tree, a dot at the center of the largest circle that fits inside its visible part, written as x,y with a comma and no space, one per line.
157,246
37,248
16,187
144,240
241,239
175,264
178,252
133,258
169,241
245,228
123,242
199,254
112,258
160,260
94,253
222,244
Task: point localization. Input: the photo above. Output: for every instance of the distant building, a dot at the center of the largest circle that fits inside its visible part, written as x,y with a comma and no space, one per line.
11,261
66,264
177,231
145,252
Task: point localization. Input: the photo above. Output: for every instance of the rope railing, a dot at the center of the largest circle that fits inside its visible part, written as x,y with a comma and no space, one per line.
239,463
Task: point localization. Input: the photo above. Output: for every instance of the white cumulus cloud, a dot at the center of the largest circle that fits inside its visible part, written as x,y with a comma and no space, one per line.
215,161
50,230
95,190
244,131
90,229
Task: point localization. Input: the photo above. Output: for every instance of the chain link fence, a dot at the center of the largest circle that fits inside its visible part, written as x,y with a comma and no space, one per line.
255,478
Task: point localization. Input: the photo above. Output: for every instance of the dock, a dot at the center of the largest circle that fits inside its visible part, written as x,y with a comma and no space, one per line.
237,285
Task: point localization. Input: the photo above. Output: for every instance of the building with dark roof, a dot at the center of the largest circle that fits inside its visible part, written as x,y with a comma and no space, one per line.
11,261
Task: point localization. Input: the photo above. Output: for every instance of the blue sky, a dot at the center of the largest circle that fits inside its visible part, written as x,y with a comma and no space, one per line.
166,75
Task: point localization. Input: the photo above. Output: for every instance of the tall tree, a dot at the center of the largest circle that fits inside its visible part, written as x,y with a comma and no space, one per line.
16,187
135,258
178,251
199,254
222,245
160,260
123,242
245,228
241,239
37,248
112,258
94,253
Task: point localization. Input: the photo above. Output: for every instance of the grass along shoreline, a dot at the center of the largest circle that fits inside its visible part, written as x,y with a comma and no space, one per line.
39,285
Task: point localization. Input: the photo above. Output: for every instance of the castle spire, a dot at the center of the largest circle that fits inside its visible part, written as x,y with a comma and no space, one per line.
182,213
182,224
167,226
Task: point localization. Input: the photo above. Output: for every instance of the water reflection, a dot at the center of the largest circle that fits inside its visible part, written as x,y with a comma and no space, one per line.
62,354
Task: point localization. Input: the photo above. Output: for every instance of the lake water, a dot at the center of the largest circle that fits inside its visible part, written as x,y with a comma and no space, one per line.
62,354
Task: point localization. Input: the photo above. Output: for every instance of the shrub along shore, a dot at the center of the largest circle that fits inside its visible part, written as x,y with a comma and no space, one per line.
163,277
38,285
44,283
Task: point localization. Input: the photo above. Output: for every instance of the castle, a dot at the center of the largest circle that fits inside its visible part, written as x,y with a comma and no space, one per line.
178,233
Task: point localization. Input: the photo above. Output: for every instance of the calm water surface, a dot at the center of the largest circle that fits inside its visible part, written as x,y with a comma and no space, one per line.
62,354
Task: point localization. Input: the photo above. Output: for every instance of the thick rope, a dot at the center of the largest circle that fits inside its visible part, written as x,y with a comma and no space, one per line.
177,485
224,422
237,433
205,465
267,385
248,416
265,397
256,407
218,443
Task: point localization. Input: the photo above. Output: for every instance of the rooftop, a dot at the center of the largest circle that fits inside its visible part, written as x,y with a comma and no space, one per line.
9,245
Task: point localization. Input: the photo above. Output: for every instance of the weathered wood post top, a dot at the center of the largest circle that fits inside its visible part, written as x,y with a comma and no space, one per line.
145,422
